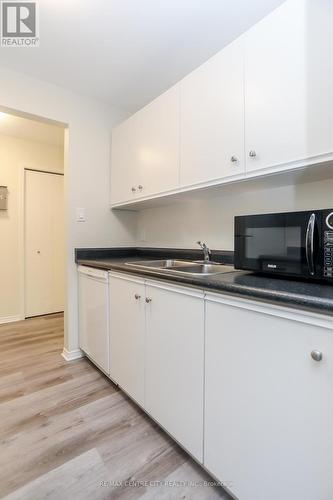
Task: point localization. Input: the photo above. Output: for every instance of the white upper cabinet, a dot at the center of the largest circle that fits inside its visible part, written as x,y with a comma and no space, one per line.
158,139
145,150
124,154
275,90
263,104
288,86
212,118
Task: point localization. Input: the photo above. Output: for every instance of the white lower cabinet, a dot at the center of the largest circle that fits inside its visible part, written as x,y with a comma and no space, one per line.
127,334
245,387
268,403
157,353
174,375
94,315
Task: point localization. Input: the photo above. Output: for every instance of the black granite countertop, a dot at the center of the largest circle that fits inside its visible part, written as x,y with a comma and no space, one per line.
311,296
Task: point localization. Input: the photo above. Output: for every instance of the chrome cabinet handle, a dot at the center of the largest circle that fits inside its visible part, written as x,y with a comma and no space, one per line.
316,355
252,153
133,189
137,296
140,187
309,244
233,159
148,300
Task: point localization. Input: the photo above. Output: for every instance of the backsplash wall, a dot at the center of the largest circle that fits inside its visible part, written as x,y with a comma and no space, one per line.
209,216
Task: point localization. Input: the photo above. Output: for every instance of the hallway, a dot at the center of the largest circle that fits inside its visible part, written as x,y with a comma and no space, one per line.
65,429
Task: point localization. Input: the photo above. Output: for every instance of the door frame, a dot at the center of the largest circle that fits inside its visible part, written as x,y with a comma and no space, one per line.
21,224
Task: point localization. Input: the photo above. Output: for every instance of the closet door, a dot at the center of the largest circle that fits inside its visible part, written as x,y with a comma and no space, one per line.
44,243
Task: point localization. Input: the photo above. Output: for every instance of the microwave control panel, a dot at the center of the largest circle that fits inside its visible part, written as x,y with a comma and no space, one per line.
328,254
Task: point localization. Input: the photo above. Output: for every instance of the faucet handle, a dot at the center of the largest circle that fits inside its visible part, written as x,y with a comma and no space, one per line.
202,244
206,250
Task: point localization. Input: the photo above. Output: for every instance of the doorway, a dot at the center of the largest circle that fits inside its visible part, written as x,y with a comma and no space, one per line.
44,251
32,217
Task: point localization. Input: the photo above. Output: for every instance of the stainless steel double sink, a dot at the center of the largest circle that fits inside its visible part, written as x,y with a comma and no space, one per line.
185,267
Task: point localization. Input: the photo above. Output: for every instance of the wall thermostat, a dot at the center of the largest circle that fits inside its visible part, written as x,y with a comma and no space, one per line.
3,197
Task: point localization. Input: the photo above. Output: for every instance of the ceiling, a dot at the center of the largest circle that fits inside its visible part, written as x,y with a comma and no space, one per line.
24,128
126,52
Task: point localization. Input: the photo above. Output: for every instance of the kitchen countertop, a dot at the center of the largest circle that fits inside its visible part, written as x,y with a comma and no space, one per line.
311,296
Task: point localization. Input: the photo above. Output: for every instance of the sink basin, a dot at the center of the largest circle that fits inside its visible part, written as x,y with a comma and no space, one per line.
182,267
205,269
160,264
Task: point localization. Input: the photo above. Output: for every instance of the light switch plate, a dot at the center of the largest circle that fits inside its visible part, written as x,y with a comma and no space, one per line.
3,197
80,215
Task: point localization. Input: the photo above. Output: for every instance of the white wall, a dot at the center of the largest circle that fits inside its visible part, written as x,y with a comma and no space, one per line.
209,216
14,154
87,146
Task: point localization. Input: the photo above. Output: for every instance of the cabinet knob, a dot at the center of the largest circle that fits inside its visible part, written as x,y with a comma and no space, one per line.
148,300
140,187
133,189
137,296
252,153
316,355
233,159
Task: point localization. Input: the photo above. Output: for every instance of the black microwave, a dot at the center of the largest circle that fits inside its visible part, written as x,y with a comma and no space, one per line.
298,244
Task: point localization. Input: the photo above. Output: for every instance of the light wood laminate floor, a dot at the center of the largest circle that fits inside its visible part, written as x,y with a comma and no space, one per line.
66,432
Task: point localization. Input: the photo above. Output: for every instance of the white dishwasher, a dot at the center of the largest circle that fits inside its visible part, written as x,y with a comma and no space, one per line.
94,315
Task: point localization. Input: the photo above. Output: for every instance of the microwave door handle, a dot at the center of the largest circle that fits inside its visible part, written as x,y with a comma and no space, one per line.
309,244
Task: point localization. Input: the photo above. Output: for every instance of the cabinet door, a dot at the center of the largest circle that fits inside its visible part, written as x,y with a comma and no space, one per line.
276,97
212,118
94,317
288,86
268,405
158,150
127,335
174,364
124,154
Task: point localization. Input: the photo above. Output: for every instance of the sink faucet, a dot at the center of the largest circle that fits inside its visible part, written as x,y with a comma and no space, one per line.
206,250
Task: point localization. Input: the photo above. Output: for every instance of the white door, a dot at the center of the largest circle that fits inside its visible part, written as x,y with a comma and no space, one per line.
212,118
276,90
174,363
158,144
268,406
44,243
127,335
94,315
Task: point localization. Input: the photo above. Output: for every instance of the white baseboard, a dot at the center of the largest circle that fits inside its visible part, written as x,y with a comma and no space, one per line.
10,319
72,355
